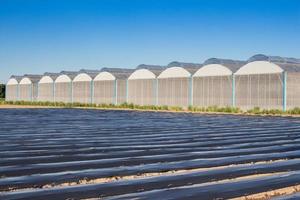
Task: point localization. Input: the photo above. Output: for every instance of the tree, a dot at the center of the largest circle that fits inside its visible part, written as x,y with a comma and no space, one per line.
2,91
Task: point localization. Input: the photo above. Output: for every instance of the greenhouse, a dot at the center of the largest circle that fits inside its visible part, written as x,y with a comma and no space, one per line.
12,88
175,84
212,83
268,82
83,86
28,87
142,85
46,87
63,86
110,86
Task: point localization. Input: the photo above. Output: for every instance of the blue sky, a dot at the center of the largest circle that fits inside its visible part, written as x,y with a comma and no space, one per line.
53,35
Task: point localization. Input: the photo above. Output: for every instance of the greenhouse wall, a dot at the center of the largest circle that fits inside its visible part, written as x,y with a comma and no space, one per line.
142,91
63,92
45,92
104,92
173,91
212,91
35,92
82,88
121,91
25,92
11,90
259,90
293,90
82,92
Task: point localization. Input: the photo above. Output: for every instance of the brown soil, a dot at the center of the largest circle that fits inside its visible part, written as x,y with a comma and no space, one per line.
270,194
155,174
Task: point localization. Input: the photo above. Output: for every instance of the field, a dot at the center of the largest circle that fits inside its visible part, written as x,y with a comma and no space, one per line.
83,154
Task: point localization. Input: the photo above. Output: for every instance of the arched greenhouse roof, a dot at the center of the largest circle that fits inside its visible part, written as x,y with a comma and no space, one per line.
25,81
262,64
66,76
49,77
175,72
82,77
219,67
179,70
142,74
105,76
155,69
259,67
52,75
63,78
213,70
14,80
30,79
232,65
118,73
46,79
91,73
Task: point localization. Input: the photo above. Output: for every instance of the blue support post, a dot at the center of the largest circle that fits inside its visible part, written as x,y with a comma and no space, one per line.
233,91
284,90
116,92
191,91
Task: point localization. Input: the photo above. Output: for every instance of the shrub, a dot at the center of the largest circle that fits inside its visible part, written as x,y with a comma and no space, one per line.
255,110
294,111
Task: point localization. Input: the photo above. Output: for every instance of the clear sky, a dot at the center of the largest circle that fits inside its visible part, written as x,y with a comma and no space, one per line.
53,35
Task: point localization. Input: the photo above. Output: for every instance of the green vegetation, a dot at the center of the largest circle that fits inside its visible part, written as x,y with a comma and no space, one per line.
258,111
210,109
227,109
2,91
88,105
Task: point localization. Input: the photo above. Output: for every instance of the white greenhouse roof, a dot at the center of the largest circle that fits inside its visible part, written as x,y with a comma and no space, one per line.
259,67
105,76
12,81
63,79
213,70
25,81
142,74
82,77
174,72
46,79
